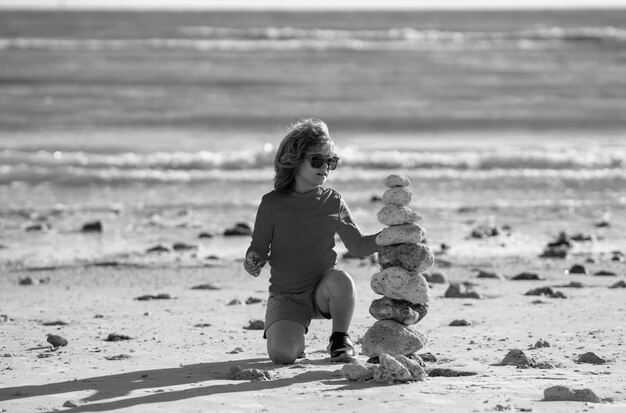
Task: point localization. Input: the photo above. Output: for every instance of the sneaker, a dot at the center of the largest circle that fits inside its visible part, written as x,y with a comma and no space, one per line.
340,344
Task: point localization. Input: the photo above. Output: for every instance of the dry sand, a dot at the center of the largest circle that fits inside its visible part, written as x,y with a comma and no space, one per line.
182,349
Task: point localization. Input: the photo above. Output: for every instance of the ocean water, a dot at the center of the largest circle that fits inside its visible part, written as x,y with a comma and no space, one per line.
165,124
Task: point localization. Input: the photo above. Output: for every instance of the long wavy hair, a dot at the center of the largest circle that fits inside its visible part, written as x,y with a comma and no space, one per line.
305,135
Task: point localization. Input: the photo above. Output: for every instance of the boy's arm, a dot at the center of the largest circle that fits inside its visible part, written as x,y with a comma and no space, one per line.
257,253
358,244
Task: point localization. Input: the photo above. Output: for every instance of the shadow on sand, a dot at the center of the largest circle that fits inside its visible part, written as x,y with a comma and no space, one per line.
120,385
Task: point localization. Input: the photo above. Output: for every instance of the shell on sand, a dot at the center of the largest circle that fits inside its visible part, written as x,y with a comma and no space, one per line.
400,234
411,257
389,337
398,195
397,215
396,180
400,284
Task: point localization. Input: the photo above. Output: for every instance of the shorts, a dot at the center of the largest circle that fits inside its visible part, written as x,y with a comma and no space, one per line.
299,307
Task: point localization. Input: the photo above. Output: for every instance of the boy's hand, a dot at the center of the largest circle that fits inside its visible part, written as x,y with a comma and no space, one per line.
253,263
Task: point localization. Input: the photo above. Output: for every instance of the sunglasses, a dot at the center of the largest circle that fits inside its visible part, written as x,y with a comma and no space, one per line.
318,161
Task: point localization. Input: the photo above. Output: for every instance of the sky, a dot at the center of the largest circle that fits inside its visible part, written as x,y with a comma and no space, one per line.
309,4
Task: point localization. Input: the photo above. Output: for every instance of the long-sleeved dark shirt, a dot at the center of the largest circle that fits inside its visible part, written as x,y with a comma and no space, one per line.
299,230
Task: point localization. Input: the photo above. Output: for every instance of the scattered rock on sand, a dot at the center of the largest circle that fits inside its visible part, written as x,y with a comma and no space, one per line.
255,325
205,287
517,358
563,393
445,372
253,300
490,274
71,403
460,323
27,281
159,248
56,341
54,323
435,278
526,276
117,337
458,290
590,358
205,235
235,301
541,343
547,291
239,229
148,297
427,357
93,226
577,269
605,273
238,373
181,246
619,284
118,357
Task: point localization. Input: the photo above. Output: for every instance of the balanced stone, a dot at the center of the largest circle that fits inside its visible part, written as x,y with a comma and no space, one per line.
398,283
398,195
396,180
401,234
389,337
397,310
396,215
411,257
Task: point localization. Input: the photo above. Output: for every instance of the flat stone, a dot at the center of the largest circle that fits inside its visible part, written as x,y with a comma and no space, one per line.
564,393
398,196
397,215
400,234
411,257
400,284
445,372
390,337
397,310
394,180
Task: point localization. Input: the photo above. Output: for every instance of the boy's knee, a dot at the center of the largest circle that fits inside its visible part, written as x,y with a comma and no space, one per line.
342,282
280,355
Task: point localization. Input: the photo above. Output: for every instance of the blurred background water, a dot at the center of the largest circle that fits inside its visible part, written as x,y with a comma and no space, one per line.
158,122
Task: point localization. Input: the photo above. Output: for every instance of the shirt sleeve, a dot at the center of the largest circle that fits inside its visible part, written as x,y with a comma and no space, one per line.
358,244
263,229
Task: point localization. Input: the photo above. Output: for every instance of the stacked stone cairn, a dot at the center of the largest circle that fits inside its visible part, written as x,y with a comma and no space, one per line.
391,340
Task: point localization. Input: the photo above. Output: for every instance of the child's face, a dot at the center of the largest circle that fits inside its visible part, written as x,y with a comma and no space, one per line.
308,177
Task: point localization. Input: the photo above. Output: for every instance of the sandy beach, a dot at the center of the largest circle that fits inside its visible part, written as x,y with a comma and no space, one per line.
157,131
180,350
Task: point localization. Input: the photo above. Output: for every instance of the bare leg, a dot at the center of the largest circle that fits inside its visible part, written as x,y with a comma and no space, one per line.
285,341
336,295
